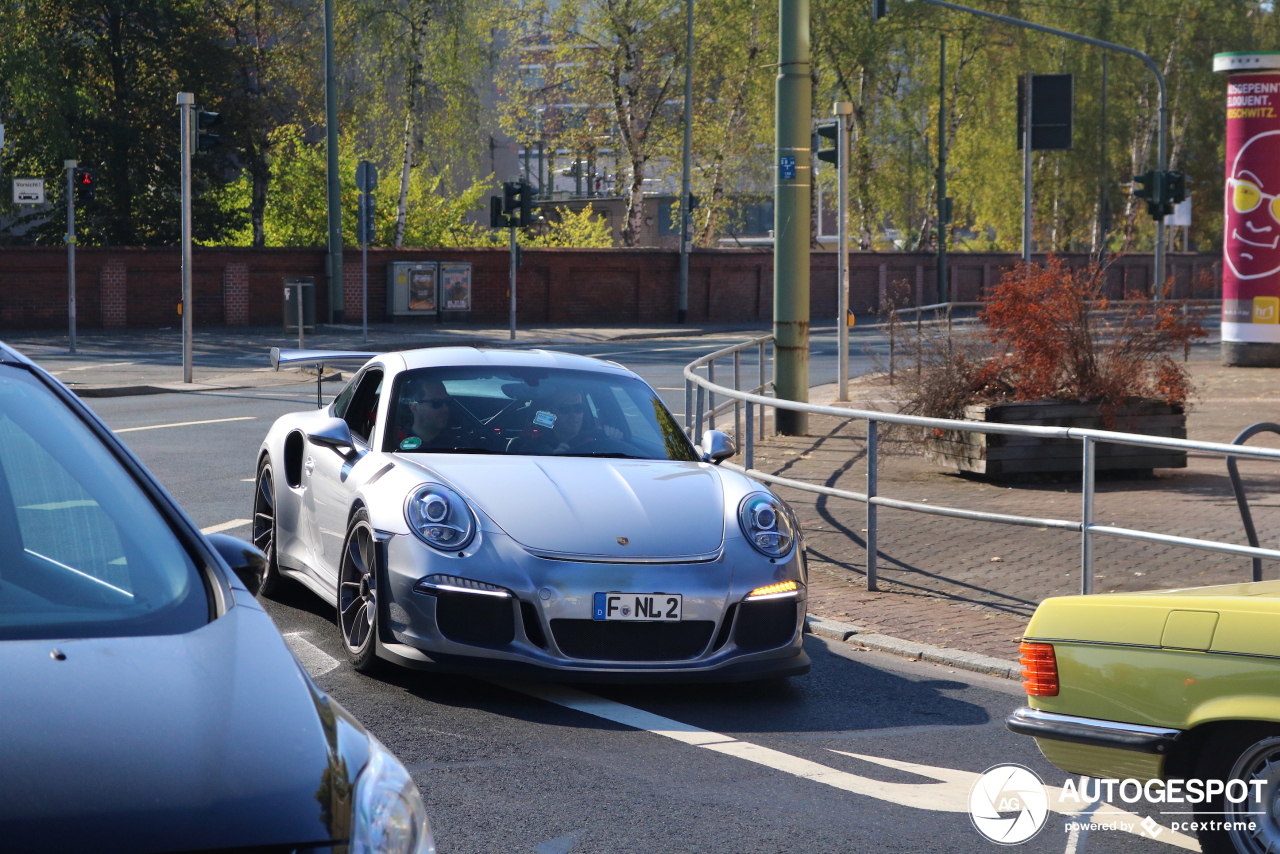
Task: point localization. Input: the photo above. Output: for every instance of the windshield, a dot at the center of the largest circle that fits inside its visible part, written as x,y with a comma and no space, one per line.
83,552
532,411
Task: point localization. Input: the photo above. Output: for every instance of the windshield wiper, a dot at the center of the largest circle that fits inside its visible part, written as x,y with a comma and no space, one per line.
615,455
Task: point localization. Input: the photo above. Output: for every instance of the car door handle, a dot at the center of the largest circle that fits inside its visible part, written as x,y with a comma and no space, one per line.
311,465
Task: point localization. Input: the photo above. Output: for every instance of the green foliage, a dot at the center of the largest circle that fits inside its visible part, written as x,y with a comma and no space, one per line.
580,229
296,210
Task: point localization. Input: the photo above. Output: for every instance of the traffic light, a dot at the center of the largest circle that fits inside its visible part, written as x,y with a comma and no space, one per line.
517,205
1149,186
497,218
879,9
831,131
205,120
1175,187
86,184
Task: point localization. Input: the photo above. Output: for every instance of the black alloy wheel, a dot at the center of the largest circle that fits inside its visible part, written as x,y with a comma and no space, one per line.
358,594
264,529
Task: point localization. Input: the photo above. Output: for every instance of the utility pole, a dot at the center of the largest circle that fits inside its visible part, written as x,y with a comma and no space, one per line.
71,252
511,281
366,183
334,180
791,218
186,102
843,110
944,204
686,169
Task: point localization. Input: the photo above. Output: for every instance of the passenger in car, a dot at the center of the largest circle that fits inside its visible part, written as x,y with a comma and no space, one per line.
570,426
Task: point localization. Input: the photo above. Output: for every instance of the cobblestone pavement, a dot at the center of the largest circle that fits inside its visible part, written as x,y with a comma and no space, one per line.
973,585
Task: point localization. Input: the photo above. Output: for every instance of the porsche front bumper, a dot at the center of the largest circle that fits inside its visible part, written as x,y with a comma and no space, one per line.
541,622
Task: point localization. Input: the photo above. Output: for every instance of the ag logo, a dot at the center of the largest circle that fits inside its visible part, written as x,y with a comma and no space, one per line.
1008,804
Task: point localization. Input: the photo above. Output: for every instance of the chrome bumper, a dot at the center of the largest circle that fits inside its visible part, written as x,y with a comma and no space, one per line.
1092,732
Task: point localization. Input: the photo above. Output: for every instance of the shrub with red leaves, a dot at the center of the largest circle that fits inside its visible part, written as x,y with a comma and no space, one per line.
1051,334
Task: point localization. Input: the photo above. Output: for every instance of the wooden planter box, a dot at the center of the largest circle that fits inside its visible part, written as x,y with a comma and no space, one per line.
1002,456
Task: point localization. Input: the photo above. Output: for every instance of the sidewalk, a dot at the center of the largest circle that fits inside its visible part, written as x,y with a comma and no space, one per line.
110,363
973,585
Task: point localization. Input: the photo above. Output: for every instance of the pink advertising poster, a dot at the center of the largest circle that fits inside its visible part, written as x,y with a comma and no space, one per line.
1251,242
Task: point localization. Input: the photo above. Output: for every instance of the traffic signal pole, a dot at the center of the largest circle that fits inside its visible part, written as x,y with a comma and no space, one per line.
843,111
944,214
792,196
1026,170
333,181
1162,132
71,252
511,283
186,101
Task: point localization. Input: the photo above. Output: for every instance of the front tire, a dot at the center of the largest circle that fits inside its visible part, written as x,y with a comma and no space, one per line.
1248,752
358,594
264,529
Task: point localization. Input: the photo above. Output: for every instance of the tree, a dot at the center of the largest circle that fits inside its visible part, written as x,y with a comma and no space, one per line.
600,70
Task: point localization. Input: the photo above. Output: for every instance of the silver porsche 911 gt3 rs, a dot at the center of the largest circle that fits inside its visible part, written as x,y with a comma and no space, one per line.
508,511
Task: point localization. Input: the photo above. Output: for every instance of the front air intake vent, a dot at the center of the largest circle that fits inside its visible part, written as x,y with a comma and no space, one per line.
601,640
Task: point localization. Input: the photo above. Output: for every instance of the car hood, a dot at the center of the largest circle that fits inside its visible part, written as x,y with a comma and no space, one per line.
588,506
213,739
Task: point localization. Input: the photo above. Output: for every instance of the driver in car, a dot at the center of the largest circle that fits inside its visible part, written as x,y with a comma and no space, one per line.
566,433
430,425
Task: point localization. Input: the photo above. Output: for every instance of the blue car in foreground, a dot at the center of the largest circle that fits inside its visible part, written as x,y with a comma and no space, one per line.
149,703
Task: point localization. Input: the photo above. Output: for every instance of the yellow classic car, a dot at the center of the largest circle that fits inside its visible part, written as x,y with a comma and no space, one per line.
1180,686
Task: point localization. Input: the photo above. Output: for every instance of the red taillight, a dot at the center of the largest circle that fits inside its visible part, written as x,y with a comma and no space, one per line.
1039,669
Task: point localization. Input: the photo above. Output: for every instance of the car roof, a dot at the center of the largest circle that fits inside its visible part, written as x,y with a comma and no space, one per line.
436,357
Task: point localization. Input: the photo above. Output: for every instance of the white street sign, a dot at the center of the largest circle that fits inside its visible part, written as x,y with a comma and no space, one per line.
1181,213
28,191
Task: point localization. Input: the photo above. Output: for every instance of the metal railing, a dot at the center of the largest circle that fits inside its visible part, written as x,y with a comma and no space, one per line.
944,313
701,391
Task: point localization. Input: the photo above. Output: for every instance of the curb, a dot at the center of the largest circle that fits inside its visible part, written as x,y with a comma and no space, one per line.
958,658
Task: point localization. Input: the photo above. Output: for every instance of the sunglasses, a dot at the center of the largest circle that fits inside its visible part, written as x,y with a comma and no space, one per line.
1246,196
570,408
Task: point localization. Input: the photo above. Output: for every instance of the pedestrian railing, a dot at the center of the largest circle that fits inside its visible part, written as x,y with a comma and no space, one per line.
702,409
899,329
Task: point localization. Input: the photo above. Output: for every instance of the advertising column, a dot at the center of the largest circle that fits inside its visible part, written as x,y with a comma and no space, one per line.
1251,239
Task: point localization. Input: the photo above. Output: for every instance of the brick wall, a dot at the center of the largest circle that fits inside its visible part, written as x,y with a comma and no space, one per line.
114,284
235,294
141,287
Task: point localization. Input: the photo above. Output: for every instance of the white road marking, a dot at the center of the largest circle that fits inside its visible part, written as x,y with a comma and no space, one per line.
185,424
247,480
316,661
949,794
224,526
90,367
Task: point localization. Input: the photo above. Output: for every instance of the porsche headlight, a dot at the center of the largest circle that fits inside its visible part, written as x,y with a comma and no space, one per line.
766,524
440,517
387,812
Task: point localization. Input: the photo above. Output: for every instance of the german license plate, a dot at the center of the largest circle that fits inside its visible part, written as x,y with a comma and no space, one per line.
653,607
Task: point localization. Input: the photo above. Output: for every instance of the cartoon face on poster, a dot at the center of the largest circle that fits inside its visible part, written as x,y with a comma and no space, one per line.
1251,244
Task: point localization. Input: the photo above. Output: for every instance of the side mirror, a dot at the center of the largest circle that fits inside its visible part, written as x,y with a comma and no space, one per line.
717,447
245,559
334,434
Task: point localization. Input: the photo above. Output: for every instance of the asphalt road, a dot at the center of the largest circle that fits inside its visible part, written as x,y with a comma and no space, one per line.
868,753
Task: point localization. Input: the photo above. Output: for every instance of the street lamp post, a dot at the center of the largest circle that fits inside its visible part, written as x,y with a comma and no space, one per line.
333,179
